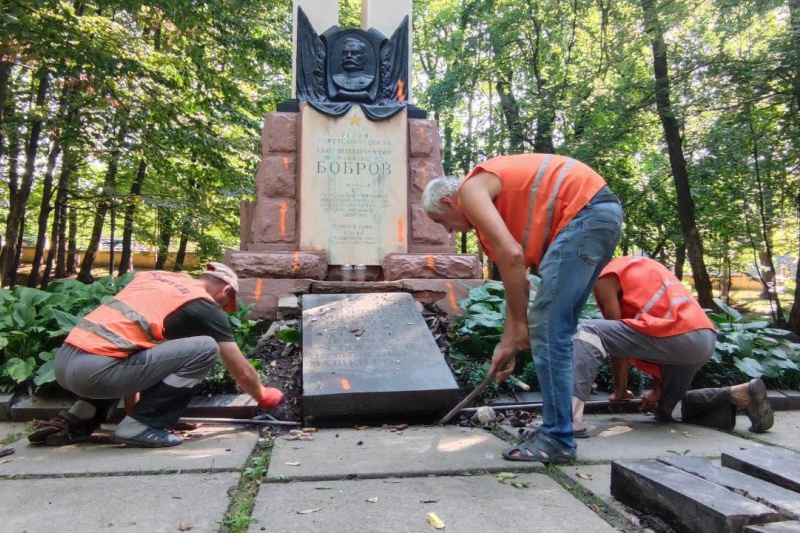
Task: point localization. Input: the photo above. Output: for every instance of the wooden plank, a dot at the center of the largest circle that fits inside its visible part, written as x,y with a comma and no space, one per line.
685,502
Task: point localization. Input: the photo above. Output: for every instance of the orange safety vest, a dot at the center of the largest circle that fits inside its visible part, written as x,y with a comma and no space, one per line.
540,194
653,301
134,319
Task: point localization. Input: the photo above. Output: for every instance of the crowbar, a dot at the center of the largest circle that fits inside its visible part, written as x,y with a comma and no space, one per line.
466,401
240,421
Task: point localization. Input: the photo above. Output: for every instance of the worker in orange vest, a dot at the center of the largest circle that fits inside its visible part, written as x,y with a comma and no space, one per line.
651,317
153,343
556,214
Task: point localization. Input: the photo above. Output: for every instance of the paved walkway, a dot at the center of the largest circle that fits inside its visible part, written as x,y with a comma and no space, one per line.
354,480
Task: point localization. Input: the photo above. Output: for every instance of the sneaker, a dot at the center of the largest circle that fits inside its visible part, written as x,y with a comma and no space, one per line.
149,438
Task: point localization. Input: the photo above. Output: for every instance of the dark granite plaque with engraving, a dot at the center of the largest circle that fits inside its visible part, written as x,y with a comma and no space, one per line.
367,356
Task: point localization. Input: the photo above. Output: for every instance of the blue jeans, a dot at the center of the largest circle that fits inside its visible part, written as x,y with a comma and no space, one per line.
569,270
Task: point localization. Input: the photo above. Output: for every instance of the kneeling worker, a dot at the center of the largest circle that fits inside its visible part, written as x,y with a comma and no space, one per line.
650,316
158,337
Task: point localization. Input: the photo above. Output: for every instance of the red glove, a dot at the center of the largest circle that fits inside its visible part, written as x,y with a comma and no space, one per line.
270,398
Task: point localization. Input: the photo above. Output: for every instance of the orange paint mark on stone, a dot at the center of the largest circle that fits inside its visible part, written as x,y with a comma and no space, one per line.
451,296
296,262
401,234
345,384
284,209
257,293
285,163
431,261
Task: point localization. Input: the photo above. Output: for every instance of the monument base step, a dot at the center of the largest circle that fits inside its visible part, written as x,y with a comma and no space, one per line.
770,463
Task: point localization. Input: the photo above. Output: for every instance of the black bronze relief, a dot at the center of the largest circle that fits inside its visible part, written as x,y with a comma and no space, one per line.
346,66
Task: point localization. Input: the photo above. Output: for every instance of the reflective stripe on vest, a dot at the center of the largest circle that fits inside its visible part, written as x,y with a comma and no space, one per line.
652,299
134,319
539,195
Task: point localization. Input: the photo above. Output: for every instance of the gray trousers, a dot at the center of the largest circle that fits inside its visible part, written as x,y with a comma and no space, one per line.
680,357
165,375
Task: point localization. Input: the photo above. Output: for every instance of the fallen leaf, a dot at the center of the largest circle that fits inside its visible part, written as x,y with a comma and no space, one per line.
309,430
323,488
309,511
616,430
374,499
435,521
503,476
183,526
293,463
357,331
521,484
428,501
585,476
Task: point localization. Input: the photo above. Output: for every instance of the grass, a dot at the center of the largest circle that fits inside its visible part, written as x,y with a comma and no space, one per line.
239,516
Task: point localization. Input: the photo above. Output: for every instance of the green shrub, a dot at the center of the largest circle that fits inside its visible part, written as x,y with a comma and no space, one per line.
748,350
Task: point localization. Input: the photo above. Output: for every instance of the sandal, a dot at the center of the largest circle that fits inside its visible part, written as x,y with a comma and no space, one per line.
532,433
759,410
149,438
539,450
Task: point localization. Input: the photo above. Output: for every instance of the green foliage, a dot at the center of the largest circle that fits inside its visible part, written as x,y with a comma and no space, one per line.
748,350
34,323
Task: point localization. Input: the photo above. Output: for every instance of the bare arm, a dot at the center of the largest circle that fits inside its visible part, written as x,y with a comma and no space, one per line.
607,292
476,199
240,368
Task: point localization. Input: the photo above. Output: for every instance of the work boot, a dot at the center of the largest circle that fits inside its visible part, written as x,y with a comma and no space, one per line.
758,409
709,407
65,428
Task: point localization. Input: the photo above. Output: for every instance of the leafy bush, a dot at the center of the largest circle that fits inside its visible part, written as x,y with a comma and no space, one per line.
33,324
747,350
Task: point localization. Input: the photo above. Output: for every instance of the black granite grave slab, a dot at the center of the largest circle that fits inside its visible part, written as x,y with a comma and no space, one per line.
770,463
371,355
782,500
792,526
685,502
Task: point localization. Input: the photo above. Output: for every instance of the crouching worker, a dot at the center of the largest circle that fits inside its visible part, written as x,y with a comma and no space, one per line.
651,317
158,337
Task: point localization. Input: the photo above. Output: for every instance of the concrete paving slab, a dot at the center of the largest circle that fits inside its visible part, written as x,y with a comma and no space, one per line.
594,478
375,453
11,428
208,448
119,503
464,504
792,526
785,432
638,436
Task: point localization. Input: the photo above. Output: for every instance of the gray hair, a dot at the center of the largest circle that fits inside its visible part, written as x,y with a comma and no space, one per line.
436,190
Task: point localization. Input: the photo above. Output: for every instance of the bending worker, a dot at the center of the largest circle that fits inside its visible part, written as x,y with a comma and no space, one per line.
557,214
650,316
159,337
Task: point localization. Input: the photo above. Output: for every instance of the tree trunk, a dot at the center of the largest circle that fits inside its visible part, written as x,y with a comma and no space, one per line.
57,250
794,20
680,174
510,108
680,259
5,76
47,187
11,233
130,211
180,257
109,190
72,240
18,207
164,237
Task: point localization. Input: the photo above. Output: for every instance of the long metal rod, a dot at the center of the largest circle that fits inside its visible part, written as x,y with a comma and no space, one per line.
526,406
466,401
240,421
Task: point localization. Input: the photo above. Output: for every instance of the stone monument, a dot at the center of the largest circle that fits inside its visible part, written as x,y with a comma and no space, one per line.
343,167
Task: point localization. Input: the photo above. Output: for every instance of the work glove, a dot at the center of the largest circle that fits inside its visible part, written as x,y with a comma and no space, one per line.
270,398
